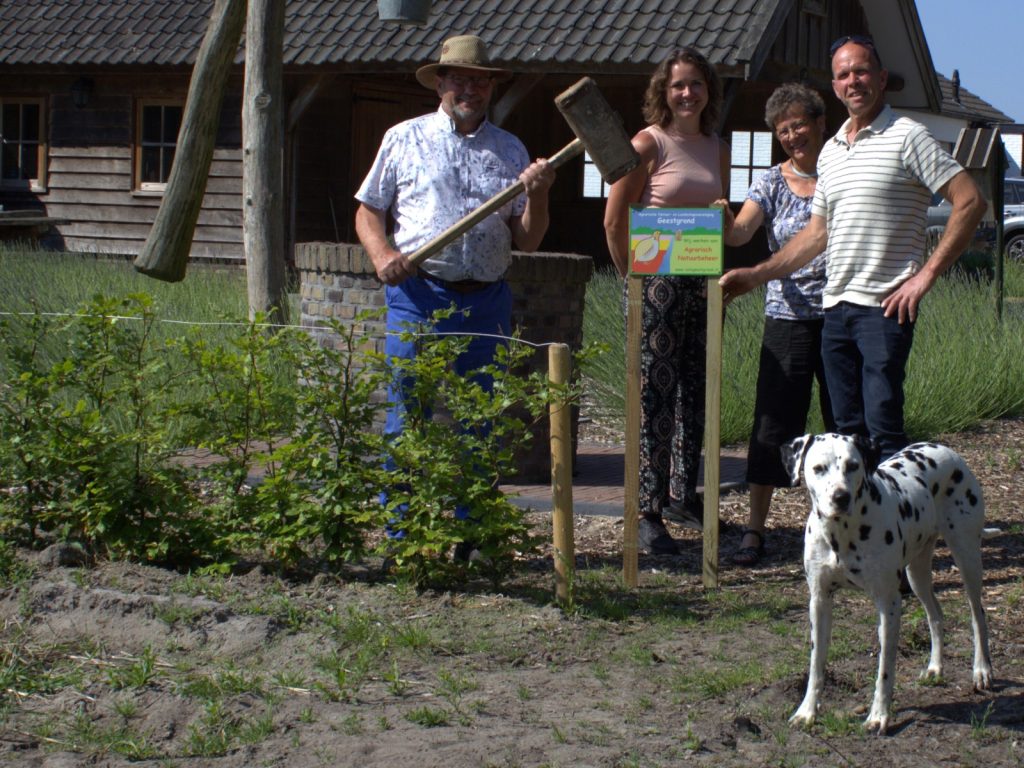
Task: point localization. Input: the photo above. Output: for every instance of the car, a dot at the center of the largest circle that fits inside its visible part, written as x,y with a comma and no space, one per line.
1013,238
1013,197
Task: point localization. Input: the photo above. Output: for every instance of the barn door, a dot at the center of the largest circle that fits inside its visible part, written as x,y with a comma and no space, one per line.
374,110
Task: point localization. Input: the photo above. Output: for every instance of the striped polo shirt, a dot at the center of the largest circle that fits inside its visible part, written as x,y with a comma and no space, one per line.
874,195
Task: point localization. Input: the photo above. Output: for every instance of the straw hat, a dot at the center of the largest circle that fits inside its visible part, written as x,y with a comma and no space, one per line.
465,51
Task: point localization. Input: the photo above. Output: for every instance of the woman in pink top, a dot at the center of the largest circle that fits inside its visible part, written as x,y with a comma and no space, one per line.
684,165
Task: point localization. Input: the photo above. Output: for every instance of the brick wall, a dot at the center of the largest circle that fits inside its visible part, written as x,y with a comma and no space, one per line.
338,280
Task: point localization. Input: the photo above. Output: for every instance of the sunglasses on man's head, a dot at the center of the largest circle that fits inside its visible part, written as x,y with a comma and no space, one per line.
865,40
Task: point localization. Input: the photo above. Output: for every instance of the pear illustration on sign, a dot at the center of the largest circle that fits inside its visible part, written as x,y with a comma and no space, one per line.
675,241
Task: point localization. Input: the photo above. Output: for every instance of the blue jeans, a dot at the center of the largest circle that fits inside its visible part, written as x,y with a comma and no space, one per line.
411,304
865,356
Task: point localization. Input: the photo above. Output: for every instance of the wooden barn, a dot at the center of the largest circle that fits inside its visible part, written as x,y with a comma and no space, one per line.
92,93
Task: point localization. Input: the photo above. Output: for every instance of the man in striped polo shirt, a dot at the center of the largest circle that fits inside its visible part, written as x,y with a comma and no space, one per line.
875,180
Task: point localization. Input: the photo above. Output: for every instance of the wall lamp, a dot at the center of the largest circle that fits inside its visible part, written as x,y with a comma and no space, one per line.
81,89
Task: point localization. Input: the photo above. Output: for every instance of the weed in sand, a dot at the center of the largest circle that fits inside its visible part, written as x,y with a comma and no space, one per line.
126,708
171,612
307,716
429,717
452,687
715,681
384,724
396,685
833,723
524,693
979,724
352,725
87,736
289,679
138,674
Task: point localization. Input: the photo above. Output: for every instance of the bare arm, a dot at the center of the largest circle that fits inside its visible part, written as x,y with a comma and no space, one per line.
623,193
391,266
801,248
968,208
744,224
528,230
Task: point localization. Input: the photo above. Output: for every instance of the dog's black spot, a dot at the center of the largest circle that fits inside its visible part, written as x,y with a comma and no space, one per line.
899,531
935,489
931,462
834,543
855,570
858,556
920,536
852,547
885,675
905,509
921,481
819,469
865,532
904,550
888,538
876,495
958,475
971,498
917,513
949,491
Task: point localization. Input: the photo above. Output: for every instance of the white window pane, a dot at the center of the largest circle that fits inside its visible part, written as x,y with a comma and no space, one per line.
740,148
762,149
591,181
739,183
757,173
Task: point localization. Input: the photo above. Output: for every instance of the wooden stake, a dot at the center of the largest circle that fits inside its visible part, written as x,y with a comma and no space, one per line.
631,485
561,476
263,161
165,252
712,433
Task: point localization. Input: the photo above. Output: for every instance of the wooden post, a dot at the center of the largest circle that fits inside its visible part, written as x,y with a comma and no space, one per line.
165,252
263,160
631,484
561,476
712,433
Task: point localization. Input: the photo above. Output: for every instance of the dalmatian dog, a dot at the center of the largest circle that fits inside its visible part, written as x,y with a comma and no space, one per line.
868,522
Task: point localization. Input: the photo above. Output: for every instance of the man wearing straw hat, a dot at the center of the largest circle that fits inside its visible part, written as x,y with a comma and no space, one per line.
430,172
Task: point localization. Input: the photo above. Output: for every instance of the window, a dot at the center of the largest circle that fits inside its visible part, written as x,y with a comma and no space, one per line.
751,157
593,184
23,157
156,141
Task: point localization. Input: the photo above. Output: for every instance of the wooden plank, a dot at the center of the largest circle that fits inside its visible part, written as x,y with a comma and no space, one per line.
134,214
119,246
712,433
145,201
141,231
631,484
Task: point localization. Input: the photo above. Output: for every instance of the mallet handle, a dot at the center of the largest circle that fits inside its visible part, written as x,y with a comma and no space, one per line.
470,220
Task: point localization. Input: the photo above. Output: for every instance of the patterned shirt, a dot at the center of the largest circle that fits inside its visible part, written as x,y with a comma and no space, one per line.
874,196
798,296
429,176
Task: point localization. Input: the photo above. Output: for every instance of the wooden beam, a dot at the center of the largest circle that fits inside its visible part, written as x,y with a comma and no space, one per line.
165,252
263,160
513,97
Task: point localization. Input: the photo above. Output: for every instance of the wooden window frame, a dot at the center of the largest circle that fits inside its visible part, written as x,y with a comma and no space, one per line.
39,183
138,184
750,163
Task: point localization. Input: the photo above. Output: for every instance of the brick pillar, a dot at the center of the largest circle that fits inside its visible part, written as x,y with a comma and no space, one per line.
338,280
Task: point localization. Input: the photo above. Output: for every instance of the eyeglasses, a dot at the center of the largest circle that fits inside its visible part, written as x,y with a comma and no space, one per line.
866,40
792,129
462,81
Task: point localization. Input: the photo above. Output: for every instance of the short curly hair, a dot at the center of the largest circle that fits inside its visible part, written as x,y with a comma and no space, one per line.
656,110
790,95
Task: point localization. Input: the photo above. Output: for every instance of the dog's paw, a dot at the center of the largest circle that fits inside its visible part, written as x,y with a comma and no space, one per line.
877,723
932,675
983,678
802,718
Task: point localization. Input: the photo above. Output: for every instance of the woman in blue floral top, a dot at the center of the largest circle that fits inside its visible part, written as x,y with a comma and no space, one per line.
791,346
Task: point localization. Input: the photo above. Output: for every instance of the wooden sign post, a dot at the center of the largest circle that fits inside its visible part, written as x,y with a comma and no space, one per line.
673,241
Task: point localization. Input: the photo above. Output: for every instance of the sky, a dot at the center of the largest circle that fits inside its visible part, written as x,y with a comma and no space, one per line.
984,40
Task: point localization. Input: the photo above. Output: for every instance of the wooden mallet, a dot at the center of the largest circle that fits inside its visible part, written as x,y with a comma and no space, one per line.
598,129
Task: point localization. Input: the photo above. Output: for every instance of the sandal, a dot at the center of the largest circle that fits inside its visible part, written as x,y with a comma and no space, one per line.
748,557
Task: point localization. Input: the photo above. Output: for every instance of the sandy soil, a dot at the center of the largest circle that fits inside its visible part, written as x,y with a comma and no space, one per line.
113,664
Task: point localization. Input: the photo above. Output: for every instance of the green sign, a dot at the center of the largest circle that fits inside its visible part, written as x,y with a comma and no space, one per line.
675,241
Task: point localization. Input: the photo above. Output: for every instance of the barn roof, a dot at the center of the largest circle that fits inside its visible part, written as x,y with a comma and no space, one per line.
562,35
960,103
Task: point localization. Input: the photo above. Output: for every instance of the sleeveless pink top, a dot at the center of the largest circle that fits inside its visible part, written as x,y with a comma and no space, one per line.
687,172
